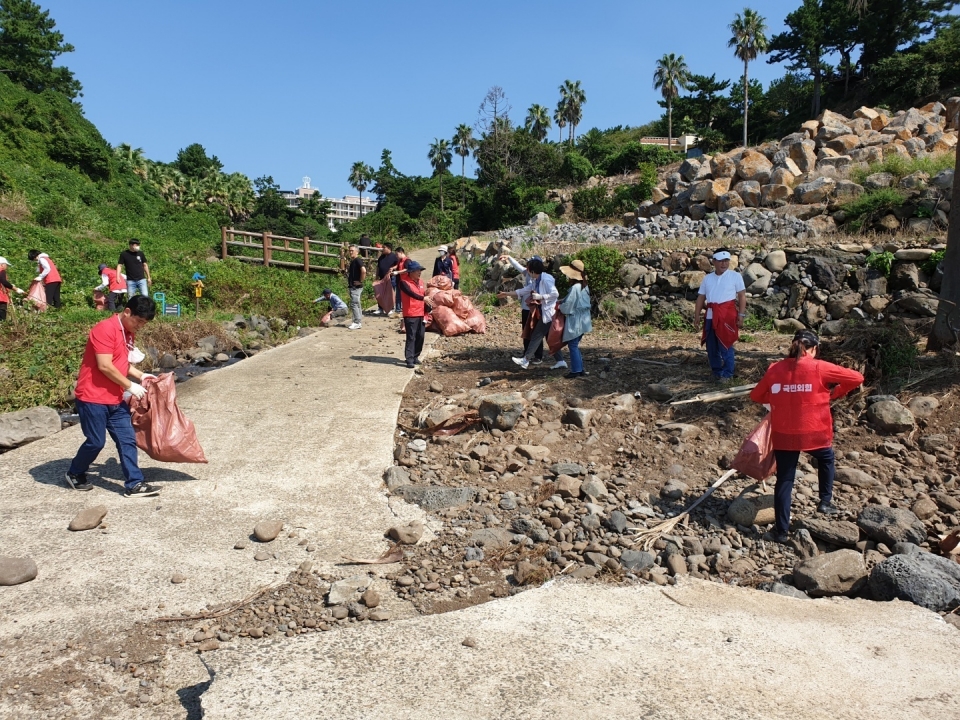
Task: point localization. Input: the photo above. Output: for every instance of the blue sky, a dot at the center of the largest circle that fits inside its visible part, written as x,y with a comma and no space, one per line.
308,88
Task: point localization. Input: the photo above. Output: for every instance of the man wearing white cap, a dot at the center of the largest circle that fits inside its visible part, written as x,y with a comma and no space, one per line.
723,294
443,265
5,286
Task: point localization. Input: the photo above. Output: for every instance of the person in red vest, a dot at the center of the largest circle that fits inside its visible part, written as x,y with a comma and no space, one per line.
798,391
48,275
5,287
414,305
115,284
455,266
723,294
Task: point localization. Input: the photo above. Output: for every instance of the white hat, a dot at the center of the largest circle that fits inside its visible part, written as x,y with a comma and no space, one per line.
4,261
722,255
442,248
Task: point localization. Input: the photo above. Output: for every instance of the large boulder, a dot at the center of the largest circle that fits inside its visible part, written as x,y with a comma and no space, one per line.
775,195
729,201
891,525
24,426
814,192
842,572
501,411
922,578
835,532
804,155
629,310
754,165
756,278
826,275
751,508
890,416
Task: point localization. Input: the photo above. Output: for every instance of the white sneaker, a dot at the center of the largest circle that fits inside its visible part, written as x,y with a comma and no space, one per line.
522,362
391,314
560,365
378,311
353,326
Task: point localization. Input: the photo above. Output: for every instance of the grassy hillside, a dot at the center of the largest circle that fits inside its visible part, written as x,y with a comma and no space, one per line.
63,192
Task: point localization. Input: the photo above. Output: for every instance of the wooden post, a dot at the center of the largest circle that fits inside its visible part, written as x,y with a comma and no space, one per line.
306,255
266,249
223,242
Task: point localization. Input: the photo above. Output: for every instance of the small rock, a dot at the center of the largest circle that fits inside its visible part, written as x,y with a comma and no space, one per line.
593,489
568,487
208,645
408,534
240,545
347,590
469,642
370,598
267,530
380,615
14,571
88,518
924,406
178,578
778,588
261,556
578,417
673,489
418,446
636,560
659,392
752,507
436,387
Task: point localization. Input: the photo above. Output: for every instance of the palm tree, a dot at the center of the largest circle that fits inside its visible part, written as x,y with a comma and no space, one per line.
132,159
440,158
560,117
671,75
360,176
748,41
573,98
463,144
538,121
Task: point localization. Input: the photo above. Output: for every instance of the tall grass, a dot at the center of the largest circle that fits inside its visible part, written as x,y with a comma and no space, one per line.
900,167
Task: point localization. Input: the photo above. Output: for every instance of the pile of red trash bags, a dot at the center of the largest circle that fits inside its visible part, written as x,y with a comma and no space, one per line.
453,313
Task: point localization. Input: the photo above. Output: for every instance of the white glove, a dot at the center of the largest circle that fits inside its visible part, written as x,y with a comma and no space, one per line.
38,279
767,406
19,291
136,390
536,296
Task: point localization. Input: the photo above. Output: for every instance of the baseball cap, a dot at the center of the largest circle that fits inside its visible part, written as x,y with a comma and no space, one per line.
807,337
412,266
721,255
4,261
102,266
133,241
442,248
326,291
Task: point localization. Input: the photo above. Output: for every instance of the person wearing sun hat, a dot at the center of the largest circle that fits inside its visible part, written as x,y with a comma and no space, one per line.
5,287
724,296
576,309
798,391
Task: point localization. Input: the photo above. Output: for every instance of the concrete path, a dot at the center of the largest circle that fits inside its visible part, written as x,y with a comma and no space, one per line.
568,650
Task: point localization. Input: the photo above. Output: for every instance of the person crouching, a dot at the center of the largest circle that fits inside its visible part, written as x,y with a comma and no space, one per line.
413,304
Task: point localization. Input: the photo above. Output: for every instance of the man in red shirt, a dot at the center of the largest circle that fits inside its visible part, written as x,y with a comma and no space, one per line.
798,391
102,388
414,303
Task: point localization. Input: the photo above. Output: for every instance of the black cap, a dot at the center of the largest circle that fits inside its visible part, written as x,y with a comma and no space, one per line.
807,337
327,291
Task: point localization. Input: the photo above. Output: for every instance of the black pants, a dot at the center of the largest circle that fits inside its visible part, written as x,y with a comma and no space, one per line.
415,329
456,284
524,316
787,472
3,311
53,294
115,301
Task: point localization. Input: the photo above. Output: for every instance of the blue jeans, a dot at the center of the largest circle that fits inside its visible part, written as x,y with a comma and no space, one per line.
137,285
576,358
721,358
786,474
96,420
393,282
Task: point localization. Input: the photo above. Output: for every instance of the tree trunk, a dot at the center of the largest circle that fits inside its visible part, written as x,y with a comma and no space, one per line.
948,310
669,124
463,181
817,82
441,191
746,85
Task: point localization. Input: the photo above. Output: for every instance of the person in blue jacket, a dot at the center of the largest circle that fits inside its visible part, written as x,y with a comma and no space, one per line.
576,309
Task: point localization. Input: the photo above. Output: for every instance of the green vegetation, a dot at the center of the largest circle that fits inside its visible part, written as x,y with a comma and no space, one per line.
756,321
900,167
896,351
930,264
602,265
676,322
871,206
881,262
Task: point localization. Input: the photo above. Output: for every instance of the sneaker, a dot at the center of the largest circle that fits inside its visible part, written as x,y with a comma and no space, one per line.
537,361
570,375
391,314
522,362
78,481
142,490
779,537
411,365
825,509
353,326
559,365
378,311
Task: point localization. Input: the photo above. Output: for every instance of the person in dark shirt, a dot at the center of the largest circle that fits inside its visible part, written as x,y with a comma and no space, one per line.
386,263
356,275
365,245
442,265
401,263
133,264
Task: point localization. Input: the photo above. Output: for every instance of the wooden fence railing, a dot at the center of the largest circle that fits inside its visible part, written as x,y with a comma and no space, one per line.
265,244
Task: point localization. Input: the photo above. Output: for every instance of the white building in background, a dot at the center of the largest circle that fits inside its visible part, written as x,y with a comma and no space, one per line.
682,143
341,210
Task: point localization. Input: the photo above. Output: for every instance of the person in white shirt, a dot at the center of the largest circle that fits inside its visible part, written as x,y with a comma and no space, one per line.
541,293
524,307
724,296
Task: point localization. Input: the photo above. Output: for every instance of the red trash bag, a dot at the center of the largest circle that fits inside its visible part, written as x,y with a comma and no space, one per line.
461,305
37,296
441,298
756,458
383,292
447,322
163,432
555,333
476,321
440,281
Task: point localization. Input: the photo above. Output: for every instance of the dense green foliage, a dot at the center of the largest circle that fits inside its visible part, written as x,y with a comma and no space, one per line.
871,206
881,262
28,46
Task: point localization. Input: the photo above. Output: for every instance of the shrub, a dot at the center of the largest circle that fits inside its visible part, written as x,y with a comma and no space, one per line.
592,203
871,206
55,212
576,168
881,262
675,321
602,265
757,321
930,264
